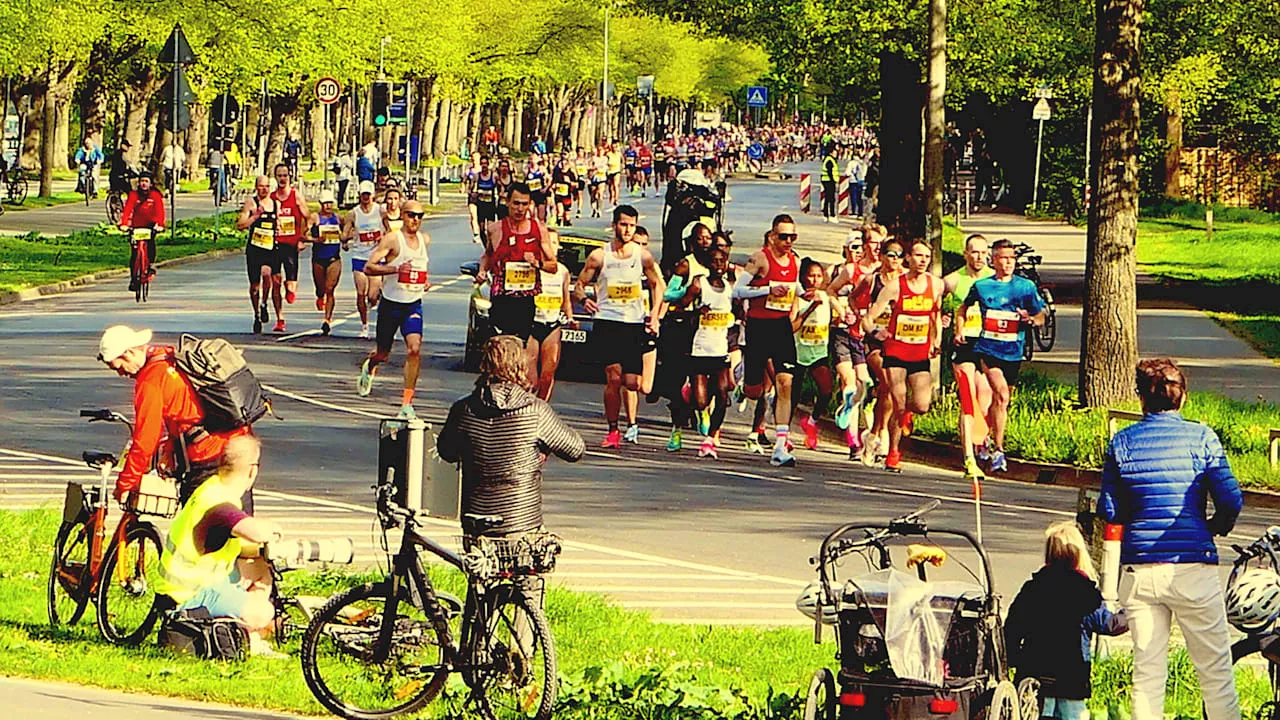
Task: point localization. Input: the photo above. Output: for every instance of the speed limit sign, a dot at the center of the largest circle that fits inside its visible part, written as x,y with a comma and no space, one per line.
328,90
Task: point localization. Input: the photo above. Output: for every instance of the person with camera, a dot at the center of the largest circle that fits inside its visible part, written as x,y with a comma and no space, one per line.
164,402
212,558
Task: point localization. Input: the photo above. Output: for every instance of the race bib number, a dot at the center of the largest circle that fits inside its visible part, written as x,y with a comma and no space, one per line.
485,196
562,188
548,303
1001,325
912,329
410,279
623,292
535,184
285,226
814,334
972,322
262,238
519,277
369,238
141,234
784,303
330,234
717,320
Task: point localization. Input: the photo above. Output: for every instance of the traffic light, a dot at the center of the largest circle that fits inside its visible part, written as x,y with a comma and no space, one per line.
182,96
379,102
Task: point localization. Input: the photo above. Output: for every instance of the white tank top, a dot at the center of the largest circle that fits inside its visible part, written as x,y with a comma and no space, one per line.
410,282
549,303
620,289
712,336
368,232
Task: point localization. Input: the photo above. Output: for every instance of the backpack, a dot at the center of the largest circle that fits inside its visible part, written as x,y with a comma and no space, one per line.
196,632
229,393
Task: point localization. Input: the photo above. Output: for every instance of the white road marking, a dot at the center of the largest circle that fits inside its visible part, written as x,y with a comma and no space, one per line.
320,403
677,590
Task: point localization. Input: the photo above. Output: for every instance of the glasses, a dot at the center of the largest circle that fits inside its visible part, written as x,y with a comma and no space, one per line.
892,254
414,215
787,237
854,246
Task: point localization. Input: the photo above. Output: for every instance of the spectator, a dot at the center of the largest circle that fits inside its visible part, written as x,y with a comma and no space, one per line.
366,168
172,158
344,167
1156,478
217,173
856,169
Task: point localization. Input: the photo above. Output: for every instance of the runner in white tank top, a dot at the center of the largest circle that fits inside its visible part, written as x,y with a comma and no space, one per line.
711,296
552,310
361,231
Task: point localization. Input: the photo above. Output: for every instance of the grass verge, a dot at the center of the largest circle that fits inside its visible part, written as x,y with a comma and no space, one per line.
614,663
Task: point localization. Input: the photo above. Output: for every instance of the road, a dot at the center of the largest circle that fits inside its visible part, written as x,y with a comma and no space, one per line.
68,218
688,540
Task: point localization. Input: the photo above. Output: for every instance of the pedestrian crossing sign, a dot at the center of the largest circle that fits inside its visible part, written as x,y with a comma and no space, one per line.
757,96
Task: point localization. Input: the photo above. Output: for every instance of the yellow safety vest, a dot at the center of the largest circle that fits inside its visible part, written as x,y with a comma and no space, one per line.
829,169
184,570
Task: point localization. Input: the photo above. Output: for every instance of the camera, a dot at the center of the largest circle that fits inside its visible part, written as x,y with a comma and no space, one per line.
298,552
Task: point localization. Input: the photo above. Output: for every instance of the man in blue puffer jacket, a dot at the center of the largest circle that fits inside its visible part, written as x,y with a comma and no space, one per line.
1156,478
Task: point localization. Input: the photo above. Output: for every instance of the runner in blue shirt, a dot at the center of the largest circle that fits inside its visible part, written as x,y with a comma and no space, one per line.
1007,303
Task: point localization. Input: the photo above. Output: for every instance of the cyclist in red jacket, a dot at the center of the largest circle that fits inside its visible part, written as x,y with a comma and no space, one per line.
144,208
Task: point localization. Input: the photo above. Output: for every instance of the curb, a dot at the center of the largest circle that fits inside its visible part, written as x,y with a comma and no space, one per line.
64,286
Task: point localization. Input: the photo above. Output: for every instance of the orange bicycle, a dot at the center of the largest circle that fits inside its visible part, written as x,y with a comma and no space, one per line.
116,572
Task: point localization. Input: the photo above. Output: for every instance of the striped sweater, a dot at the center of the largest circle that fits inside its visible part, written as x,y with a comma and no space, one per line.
500,433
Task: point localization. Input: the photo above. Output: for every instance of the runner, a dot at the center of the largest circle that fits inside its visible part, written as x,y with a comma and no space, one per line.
661,165
361,231
613,161
517,248
644,161
875,440
971,385
258,216
564,182
1007,302
326,260
769,281
912,338
505,180
292,221
811,317
582,170
401,256
536,178
392,199
553,310
469,188
847,341
620,326
483,199
675,339
599,177
629,159
710,373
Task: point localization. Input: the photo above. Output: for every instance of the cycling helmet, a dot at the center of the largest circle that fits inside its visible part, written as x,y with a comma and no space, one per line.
1253,599
808,601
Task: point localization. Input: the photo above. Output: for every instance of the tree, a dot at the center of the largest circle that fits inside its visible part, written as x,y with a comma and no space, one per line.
1109,338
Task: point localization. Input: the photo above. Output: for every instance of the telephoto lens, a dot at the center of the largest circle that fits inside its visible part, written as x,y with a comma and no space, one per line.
297,552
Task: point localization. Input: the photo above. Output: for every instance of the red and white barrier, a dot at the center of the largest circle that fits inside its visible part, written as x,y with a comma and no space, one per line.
1110,571
842,199
804,192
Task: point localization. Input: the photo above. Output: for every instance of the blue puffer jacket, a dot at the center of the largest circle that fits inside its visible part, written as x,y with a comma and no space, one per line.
1155,480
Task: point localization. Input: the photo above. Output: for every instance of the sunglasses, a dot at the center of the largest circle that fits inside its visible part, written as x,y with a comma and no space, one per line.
854,246
414,215
787,237
892,254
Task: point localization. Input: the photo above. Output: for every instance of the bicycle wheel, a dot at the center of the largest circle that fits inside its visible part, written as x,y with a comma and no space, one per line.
338,655
1047,334
115,208
68,592
519,679
126,586
18,189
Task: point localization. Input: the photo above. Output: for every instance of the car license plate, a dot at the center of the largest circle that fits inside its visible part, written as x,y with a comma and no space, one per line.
573,336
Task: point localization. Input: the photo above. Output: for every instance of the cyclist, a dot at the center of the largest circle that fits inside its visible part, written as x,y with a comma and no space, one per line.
1007,302
164,402
88,159
552,311
401,255
144,208
210,556
972,385
913,337
326,256
292,220
292,149
121,172
362,230
258,216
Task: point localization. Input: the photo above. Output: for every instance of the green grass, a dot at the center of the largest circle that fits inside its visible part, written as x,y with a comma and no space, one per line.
1239,253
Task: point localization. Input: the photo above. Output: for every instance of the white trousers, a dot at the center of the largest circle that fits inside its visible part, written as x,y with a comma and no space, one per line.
1152,595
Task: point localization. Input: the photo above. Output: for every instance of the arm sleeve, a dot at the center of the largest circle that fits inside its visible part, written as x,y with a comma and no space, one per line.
1228,501
675,289
1113,502
148,412
1104,622
742,289
557,437
450,441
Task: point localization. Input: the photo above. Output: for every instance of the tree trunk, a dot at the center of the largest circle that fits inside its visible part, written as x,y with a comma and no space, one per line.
439,146
32,131
935,127
899,142
429,125
1173,146
196,142
1109,338
61,157
48,146
517,132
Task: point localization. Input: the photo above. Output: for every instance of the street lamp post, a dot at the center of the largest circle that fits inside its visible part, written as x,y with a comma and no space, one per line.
382,76
604,85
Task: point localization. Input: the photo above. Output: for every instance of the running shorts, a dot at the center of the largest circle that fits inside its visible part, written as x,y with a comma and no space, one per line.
257,258
709,366
486,212
911,366
542,331
288,260
393,316
512,315
1011,369
847,348
769,339
965,353
619,343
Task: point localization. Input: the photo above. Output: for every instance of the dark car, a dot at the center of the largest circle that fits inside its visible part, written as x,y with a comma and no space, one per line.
575,246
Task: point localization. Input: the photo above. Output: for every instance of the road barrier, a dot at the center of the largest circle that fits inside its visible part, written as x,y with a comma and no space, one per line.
804,192
842,200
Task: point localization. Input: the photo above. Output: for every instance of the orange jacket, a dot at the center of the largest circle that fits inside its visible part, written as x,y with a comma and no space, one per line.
164,402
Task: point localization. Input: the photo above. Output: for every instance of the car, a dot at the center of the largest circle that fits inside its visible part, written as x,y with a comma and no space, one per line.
575,246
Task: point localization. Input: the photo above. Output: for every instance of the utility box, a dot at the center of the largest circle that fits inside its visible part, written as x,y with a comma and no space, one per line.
423,482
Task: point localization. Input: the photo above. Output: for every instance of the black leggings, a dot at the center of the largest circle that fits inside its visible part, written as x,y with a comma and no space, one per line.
828,198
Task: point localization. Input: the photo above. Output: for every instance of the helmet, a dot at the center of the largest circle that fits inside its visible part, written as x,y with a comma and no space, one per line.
810,598
1253,599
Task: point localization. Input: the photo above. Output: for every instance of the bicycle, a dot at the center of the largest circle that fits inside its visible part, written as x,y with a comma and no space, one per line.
140,271
15,185
393,640
1266,639
1028,266
87,183
116,572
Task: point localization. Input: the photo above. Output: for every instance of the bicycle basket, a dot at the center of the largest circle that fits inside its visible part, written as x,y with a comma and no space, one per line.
155,496
501,557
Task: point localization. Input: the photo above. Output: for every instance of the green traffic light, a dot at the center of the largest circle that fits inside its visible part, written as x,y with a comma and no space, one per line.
379,119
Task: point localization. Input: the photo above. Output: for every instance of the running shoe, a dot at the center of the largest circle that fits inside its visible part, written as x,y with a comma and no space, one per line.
364,384
870,447
676,441
324,328
972,471
257,325
845,413
810,432
364,332
290,296
782,457
984,450
754,446
407,413
262,313
475,238
632,435
612,440
908,422
740,399
998,462
704,421
893,461
320,304
278,327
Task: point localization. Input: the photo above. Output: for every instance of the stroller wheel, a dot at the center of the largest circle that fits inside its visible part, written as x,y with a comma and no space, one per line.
820,704
1028,698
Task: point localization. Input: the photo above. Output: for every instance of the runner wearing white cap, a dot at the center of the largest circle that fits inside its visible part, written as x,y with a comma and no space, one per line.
361,231
326,256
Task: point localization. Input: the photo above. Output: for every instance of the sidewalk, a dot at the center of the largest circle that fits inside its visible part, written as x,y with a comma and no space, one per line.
1215,360
60,701
64,219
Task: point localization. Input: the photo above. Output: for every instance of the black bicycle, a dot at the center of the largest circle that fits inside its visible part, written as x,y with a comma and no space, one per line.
14,182
1028,266
387,648
1264,638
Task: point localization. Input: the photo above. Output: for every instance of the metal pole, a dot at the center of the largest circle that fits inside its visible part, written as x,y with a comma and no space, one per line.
1035,189
324,144
604,85
264,117
1088,141
415,450
173,143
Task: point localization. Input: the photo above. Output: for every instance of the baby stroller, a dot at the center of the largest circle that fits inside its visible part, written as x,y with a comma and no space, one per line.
910,648
691,198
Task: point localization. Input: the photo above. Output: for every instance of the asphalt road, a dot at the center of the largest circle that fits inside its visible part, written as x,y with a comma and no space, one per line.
687,539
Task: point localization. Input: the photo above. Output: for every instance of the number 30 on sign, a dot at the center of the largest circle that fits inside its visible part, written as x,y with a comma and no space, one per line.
328,90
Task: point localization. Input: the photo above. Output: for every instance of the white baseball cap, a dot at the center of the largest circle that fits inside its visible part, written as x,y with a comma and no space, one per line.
119,338
327,196
367,187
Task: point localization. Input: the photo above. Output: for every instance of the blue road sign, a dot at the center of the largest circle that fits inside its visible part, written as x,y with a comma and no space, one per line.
755,151
757,96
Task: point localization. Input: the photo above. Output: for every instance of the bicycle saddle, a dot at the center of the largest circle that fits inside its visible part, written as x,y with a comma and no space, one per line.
479,523
99,459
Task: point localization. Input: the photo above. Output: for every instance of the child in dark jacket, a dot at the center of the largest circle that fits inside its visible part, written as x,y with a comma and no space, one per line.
1052,620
